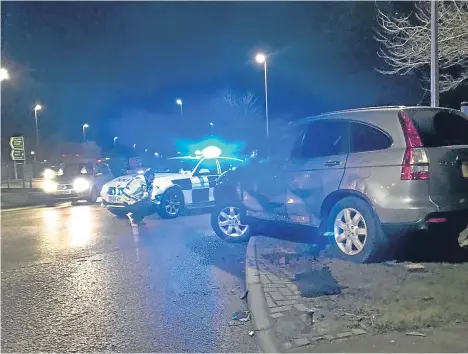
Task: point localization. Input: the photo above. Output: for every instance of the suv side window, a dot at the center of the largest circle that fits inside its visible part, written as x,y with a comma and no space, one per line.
209,164
325,138
367,138
228,164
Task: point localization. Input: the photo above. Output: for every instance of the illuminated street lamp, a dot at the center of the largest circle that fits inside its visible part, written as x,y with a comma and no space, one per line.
85,126
179,103
134,147
33,153
37,108
262,59
115,140
4,74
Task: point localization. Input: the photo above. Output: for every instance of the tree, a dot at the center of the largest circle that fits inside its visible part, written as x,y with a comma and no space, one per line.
406,42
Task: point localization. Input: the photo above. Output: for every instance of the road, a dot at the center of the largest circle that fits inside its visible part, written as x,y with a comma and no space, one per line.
75,278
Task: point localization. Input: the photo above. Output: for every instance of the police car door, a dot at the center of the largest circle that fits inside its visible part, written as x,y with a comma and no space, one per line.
203,180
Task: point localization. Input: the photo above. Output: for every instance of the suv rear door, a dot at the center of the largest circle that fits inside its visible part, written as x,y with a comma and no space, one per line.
316,169
444,135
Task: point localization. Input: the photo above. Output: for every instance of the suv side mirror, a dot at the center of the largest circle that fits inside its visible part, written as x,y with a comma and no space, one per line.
204,171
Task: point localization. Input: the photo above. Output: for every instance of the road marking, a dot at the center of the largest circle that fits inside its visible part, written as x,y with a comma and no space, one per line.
22,208
60,206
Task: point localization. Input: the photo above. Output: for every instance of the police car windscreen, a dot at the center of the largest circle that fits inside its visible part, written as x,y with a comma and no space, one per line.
75,169
176,166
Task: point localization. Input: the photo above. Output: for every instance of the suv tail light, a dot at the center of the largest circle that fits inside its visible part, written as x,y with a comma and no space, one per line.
415,165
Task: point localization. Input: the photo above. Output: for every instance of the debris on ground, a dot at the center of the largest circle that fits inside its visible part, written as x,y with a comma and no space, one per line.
243,316
415,267
416,334
244,295
251,333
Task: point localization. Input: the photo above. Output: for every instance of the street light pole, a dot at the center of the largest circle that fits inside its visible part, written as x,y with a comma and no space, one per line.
85,126
37,108
261,59
115,141
134,147
434,55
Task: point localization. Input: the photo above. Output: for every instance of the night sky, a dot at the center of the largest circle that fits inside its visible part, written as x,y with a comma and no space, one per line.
108,63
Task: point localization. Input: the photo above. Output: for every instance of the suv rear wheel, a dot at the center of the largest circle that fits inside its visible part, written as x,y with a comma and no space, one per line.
355,232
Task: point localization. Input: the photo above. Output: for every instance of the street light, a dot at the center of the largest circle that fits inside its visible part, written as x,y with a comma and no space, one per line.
37,108
115,140
4,74
134,147
179,103
33,153
262,59
85,126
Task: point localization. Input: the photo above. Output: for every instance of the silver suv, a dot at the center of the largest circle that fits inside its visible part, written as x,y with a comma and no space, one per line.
363,177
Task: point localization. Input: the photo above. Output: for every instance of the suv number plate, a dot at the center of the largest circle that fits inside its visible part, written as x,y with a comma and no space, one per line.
464,167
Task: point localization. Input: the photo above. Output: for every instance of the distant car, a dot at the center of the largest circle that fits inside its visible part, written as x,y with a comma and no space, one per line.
180,182
364,177
75,181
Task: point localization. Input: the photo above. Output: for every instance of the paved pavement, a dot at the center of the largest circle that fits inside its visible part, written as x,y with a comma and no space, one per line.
75,278
289,320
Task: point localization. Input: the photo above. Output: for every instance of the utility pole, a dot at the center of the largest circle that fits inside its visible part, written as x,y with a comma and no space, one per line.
434,55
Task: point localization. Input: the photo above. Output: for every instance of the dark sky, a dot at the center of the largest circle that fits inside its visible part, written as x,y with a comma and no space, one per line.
94,61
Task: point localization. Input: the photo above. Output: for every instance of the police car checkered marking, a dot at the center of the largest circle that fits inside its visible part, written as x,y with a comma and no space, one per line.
197,189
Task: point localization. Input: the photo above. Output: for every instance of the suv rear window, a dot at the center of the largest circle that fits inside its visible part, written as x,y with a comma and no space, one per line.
440,128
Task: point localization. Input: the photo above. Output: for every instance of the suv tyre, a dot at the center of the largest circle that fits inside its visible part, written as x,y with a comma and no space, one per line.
226,223
355,232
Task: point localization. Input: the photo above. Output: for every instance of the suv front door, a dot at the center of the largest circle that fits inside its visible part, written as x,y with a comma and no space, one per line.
315,169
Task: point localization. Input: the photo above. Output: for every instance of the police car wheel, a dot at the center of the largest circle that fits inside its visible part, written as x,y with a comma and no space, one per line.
172,204
226,223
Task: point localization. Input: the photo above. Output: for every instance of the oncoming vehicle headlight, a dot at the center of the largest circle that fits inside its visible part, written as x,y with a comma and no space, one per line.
49,186
81,184
48,173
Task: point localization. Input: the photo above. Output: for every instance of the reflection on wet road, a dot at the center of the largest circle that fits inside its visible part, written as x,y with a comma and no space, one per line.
77,278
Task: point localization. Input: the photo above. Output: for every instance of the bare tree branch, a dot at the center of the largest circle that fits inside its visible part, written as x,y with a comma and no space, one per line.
406,42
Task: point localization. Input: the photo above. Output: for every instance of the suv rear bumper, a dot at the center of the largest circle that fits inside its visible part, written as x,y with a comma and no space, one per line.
456,221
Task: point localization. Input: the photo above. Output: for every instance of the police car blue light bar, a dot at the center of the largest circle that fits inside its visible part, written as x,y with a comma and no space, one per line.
211,151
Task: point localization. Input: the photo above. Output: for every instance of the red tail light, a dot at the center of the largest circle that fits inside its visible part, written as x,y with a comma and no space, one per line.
415,165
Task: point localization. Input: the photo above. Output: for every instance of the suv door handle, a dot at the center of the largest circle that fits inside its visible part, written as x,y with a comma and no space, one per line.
332,163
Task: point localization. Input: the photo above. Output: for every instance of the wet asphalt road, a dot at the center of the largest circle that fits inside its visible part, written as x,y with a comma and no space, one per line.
75,278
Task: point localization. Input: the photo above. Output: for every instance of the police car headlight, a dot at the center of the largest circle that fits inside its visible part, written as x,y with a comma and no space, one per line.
49,186
81,184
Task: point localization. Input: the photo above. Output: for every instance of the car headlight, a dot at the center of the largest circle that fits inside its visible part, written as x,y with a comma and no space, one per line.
81,184
48,173
49,186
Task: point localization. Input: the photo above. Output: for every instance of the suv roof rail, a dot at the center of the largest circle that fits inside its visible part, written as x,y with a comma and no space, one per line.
362,109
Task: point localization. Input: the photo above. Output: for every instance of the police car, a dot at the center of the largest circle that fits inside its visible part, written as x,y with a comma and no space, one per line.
179,183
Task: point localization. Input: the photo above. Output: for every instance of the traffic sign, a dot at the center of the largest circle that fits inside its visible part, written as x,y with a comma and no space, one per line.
17,155
17,142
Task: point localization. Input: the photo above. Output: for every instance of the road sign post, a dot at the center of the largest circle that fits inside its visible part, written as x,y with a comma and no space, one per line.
17,151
